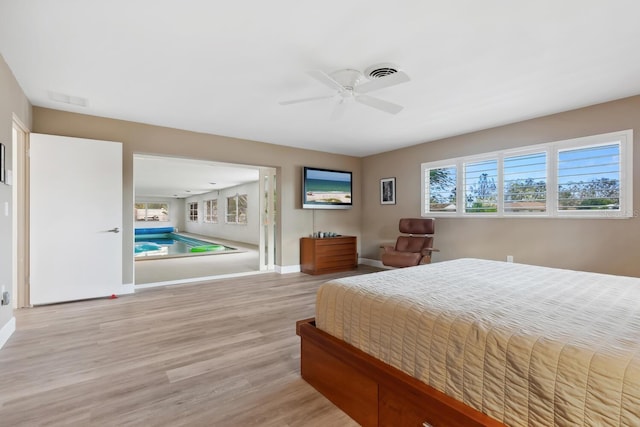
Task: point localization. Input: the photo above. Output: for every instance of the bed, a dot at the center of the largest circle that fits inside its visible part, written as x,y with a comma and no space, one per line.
475,342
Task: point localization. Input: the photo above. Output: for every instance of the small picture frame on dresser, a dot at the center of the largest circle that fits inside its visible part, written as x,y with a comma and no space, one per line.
388,191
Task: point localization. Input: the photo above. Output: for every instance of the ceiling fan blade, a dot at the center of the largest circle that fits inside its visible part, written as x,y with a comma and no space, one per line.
379,104
297,101
338,110
382,82
326,80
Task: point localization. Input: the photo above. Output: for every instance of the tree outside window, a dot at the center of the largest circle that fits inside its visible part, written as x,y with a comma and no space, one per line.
442,189
589,178
585,177
480,186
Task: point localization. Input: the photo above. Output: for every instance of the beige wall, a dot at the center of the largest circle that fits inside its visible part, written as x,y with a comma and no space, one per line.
601,245
12,101
293,222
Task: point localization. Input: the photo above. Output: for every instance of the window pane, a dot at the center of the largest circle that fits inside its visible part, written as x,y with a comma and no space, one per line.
242,209
211,211
157,212
589,178
193,212
140,211
481,192
441,183
231,209
525,183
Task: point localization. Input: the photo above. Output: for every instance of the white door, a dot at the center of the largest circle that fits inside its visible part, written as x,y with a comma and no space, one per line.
75,218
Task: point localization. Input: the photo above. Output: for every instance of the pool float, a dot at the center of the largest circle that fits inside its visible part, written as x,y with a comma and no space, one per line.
156,230
207,248
146,246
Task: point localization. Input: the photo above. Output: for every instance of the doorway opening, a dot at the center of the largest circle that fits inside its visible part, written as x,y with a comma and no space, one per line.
221,204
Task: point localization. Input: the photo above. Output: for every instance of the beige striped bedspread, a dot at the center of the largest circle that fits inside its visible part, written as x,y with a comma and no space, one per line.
527,345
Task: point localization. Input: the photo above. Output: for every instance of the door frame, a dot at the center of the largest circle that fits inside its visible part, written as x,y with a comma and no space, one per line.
20,212
267,246
267,211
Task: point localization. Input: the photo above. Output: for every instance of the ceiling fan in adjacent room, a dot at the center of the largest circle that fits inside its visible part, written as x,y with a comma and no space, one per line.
352,85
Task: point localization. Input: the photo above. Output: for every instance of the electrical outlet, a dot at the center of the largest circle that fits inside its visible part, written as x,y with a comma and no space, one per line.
6,298
509,258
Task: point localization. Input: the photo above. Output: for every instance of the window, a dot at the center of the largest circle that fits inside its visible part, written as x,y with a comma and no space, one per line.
589,178
442,189
193,211
144,211
584,177
237,209
211,211
525,183
481,192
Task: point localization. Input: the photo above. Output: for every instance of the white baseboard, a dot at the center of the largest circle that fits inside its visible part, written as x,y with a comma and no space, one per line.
128,288
197,279
7,330
286,269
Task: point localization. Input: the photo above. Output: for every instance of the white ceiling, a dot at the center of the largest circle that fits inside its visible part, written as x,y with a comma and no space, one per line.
221,67
179,178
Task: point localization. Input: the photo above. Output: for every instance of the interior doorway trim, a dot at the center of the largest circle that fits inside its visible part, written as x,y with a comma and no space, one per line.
264,210
267,245
20,214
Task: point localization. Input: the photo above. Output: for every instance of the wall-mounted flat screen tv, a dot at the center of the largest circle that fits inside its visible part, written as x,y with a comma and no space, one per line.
326,189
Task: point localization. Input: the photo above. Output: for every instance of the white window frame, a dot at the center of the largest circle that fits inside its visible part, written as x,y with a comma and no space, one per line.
624,138
146,215
209,216
463,173
189,210
237,215
550,201
426,196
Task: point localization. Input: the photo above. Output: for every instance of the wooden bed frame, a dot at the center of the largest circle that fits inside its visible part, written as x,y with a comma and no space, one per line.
374,393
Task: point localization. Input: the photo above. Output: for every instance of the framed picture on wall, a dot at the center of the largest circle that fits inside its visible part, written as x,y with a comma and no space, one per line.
3,173
388,191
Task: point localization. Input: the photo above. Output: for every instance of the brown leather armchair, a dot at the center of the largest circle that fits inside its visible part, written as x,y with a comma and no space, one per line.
414,249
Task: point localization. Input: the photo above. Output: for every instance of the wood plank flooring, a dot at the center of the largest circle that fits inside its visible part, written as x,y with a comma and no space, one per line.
222,353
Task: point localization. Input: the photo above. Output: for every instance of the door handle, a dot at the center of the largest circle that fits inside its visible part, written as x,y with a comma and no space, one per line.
114,230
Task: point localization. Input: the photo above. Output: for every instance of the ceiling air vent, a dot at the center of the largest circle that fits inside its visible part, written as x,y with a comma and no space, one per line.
380,70
68,99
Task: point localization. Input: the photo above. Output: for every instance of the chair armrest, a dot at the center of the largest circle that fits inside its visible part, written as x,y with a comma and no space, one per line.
388,248
427,251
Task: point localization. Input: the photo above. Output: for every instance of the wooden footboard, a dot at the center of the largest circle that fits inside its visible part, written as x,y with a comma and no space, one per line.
372,392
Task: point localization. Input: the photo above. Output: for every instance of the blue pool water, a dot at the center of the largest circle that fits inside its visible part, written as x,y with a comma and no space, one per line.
171,244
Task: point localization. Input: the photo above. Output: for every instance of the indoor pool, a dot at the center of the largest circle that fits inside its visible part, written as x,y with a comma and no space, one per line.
172,244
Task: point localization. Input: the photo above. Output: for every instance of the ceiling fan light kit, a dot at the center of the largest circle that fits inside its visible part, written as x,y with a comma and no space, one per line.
351,84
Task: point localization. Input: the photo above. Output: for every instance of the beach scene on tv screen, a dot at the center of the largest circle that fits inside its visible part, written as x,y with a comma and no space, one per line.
328,187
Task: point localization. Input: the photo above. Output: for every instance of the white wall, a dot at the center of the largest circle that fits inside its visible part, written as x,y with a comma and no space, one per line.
176,213
245,233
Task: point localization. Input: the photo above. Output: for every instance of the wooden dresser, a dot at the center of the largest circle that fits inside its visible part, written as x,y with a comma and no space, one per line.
328,255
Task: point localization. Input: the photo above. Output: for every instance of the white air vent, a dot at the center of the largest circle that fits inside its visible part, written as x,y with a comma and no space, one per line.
380,70
68,99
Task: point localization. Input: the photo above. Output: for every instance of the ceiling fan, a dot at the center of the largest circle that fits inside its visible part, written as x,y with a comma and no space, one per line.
352,85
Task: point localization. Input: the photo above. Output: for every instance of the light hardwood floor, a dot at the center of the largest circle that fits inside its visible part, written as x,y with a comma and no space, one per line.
221,353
